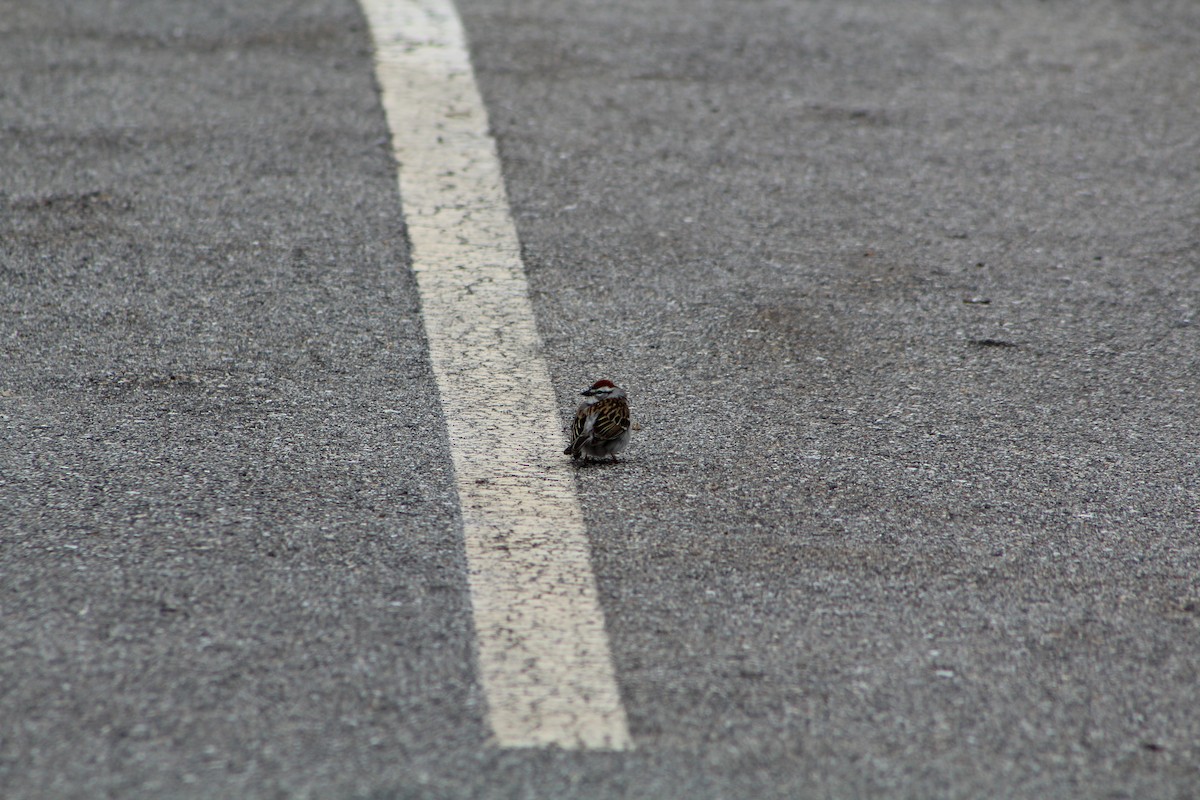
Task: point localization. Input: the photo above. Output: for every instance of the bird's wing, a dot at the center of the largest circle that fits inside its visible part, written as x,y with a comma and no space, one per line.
600,422
611,419
581,428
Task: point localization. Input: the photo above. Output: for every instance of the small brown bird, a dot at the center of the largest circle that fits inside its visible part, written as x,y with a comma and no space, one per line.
601,426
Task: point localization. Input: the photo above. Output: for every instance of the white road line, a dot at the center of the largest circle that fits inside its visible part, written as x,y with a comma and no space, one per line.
544,657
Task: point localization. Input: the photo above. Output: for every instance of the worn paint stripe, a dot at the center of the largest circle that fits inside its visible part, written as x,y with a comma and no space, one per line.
544,658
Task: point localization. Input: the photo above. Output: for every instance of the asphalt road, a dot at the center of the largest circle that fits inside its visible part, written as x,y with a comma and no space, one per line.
905,295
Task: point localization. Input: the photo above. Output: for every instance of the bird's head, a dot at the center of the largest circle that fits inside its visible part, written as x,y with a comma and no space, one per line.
600,389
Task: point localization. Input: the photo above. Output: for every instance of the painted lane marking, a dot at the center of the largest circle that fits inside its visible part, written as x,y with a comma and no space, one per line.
544,659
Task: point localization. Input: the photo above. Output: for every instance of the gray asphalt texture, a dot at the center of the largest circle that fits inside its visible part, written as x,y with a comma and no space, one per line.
905,295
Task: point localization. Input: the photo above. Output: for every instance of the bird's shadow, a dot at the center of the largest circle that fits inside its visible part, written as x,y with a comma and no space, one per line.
591,463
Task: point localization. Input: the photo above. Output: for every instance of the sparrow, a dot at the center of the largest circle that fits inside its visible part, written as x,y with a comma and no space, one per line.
601,426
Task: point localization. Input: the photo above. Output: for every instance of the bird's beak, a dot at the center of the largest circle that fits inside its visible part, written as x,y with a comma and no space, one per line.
587,392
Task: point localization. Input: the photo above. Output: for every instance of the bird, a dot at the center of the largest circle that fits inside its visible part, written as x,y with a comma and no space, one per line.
601,426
